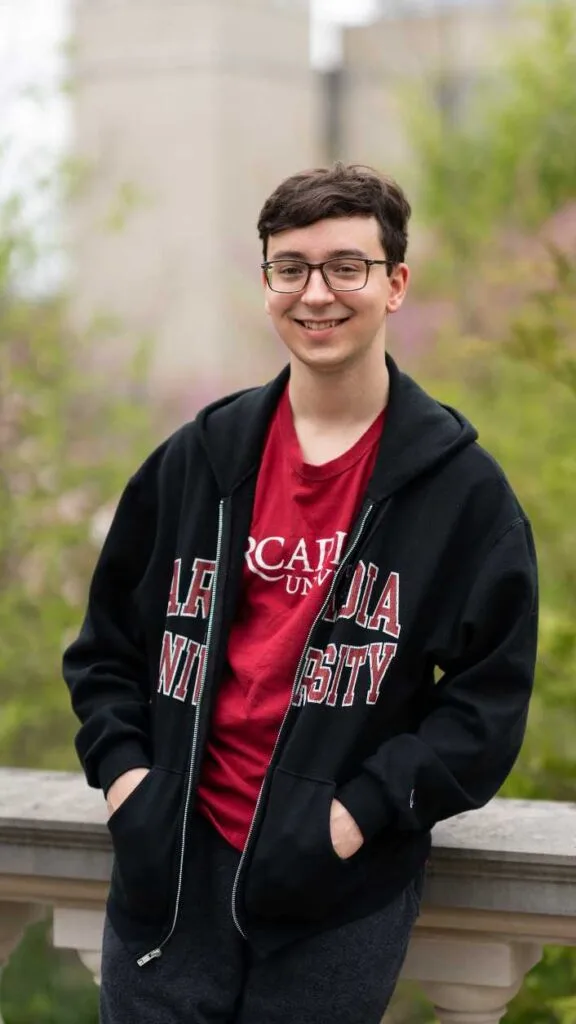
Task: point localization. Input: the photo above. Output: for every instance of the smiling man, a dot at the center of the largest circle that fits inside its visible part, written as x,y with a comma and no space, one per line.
311,635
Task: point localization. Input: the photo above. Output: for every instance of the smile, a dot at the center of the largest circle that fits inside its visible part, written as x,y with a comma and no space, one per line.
321,325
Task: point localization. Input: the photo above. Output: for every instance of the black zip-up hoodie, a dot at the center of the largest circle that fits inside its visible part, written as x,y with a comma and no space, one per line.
410,700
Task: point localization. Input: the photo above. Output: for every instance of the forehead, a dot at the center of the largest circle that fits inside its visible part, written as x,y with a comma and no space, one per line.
317,241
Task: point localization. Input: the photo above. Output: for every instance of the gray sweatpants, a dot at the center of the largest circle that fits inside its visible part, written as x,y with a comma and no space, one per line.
209,973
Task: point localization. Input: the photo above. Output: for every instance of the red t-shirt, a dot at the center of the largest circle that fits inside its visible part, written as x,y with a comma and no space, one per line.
300,522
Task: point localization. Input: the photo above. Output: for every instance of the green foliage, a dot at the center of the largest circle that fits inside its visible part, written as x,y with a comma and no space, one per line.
498,192
69,438
547,996
72,429
62,991
542,331
511,163
526,418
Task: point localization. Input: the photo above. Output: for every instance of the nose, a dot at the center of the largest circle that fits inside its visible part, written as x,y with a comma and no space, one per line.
317,292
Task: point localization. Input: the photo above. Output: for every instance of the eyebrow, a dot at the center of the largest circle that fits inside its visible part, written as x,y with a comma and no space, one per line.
294,254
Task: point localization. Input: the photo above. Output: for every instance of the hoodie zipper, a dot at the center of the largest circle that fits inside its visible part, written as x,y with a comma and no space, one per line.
253,824
154,954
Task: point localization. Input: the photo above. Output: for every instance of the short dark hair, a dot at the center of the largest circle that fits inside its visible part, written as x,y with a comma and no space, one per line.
343,190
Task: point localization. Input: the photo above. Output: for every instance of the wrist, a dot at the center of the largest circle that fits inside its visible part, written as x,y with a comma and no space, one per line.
123,786
345,833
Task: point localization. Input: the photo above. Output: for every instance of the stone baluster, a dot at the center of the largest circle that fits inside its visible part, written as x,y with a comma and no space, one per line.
470,981
80,929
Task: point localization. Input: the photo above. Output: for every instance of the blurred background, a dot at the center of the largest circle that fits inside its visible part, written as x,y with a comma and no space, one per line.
138,141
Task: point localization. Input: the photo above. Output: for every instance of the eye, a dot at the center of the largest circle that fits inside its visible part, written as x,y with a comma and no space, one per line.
347,268
289,269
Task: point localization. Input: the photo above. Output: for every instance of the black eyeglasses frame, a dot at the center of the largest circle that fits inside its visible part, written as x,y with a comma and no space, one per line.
268,264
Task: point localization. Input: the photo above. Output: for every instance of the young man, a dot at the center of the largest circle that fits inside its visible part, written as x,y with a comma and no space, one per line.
311,635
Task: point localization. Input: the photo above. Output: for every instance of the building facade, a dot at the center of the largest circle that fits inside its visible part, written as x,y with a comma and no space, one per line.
188,112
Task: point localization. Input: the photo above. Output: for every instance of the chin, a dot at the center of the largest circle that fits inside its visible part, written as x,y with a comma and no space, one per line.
324,362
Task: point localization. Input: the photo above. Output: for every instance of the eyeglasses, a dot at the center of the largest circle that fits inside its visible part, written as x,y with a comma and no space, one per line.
342,274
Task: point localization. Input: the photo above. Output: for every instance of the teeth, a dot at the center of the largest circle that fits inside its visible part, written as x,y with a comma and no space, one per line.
320,325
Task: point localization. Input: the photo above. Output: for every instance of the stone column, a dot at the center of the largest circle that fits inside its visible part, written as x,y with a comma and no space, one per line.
80,929
187,115
470,981
14,919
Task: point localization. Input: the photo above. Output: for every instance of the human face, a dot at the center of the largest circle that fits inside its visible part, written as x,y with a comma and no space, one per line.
328,330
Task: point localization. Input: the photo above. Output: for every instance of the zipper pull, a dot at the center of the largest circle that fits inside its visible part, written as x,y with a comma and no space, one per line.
154,954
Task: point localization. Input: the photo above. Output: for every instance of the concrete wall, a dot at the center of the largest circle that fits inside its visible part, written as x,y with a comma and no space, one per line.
201,107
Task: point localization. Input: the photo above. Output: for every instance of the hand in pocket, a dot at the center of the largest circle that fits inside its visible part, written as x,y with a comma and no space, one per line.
123,786
344,832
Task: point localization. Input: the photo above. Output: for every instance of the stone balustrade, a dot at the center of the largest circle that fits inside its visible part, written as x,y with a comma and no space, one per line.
501,884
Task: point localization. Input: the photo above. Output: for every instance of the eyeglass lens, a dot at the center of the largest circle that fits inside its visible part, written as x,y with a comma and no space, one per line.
341,274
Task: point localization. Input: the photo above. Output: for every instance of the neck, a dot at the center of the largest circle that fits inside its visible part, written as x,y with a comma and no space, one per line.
354,394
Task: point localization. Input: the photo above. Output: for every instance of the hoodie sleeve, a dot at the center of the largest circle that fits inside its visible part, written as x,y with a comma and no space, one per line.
467,745
105,668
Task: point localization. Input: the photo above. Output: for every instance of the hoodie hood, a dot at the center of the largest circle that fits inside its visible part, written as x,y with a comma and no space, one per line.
419,433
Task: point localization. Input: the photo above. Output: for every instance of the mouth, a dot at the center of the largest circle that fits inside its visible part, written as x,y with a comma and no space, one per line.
322,325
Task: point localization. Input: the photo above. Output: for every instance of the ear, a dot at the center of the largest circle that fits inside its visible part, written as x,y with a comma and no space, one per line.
398,286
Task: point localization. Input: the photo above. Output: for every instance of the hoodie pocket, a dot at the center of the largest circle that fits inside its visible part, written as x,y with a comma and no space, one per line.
144,831
295,871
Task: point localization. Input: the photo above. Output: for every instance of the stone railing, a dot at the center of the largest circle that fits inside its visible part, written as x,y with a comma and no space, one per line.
501,884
